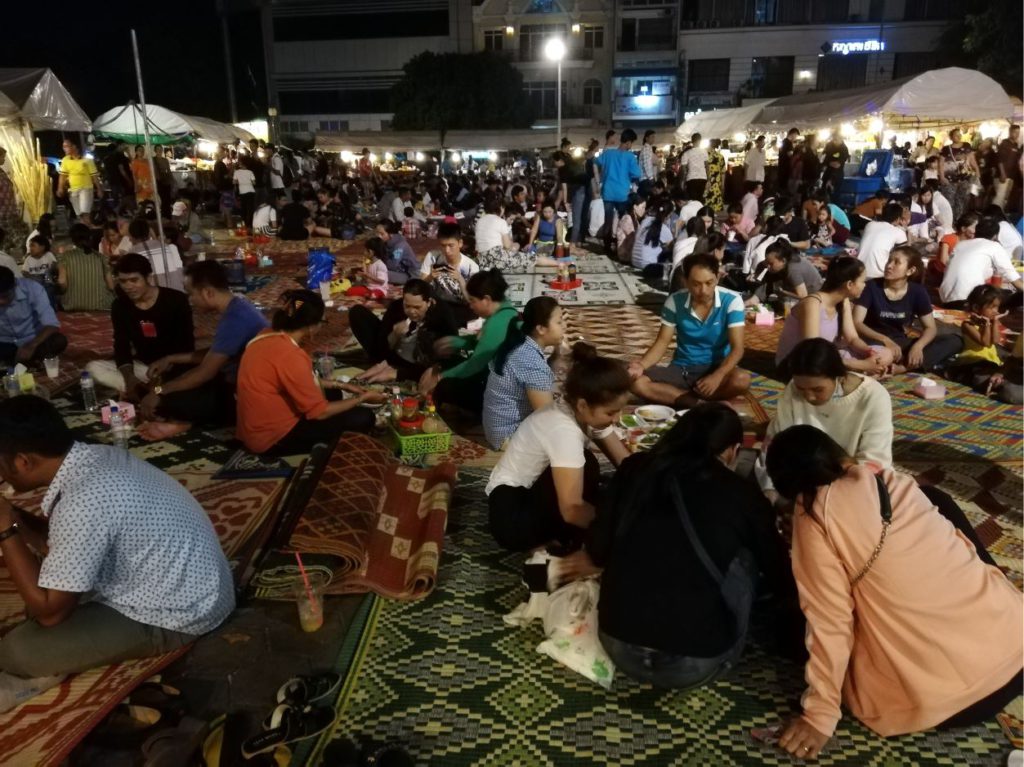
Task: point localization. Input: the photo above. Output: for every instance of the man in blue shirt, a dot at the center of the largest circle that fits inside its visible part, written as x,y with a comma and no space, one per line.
206,392
29,330
618,169
706,322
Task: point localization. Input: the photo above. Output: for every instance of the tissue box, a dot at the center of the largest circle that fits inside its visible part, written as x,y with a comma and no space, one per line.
926,388
127,410
764,318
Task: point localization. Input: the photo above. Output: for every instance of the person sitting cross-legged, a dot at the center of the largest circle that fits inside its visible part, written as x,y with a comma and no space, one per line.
114,528
29,329
149,323
707,324
205,392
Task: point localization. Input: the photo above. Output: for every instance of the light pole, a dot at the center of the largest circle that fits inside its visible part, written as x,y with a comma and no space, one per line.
554,49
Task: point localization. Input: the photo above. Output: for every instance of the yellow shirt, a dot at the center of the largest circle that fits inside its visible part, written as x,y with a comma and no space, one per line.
974,352
79,171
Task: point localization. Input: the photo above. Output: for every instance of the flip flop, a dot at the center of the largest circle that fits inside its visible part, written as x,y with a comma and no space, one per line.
289,725
302,691
127,725
164,698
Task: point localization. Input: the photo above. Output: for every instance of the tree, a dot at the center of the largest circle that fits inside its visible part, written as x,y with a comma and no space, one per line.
460,91
987,38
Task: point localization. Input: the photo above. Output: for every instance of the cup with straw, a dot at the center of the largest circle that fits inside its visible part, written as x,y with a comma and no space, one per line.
309,599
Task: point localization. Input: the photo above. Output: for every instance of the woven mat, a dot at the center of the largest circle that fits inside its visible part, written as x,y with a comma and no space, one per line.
449,679
44,730
380,525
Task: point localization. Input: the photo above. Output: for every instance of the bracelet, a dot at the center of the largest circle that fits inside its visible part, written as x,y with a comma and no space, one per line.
10,531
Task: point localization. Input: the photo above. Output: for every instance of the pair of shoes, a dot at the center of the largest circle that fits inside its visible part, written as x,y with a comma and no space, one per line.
296,716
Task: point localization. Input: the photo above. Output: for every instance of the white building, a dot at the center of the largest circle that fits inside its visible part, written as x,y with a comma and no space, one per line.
645,80
735,49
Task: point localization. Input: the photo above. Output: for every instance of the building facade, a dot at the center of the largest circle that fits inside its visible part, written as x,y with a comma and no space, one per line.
732,50
331,63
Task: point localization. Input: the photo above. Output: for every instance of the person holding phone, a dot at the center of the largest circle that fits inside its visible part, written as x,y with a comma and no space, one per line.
448,269
909,624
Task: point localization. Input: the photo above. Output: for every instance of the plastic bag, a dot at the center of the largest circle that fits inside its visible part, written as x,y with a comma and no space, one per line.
596,216
319,267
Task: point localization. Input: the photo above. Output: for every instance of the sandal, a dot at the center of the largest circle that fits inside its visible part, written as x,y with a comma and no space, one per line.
289,725
302,691
164,698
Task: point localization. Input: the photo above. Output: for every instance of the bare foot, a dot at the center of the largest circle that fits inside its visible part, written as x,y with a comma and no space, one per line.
154,431
576,566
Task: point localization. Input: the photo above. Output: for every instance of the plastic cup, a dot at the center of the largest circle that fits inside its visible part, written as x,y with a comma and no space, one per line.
52,365
310,601
325,290
325,367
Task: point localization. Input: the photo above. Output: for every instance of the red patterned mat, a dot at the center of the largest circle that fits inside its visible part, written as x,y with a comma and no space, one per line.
372,524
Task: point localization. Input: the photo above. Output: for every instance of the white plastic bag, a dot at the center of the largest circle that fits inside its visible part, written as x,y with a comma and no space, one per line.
596,216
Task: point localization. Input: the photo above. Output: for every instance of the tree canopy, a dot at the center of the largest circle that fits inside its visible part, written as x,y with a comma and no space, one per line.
460,91
987,38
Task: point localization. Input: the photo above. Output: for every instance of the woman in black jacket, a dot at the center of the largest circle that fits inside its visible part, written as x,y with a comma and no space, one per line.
675,603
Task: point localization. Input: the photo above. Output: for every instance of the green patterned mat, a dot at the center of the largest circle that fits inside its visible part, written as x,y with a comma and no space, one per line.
446,677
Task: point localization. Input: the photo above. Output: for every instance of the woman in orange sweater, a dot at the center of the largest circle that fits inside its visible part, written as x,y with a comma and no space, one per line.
281,408
906,625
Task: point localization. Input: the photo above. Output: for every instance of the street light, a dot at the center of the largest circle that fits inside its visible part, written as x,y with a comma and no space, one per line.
554,50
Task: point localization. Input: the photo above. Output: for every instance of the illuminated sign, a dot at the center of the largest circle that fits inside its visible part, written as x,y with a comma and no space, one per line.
858,46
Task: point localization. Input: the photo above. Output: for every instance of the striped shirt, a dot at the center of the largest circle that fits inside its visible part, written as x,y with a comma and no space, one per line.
506,403
87,288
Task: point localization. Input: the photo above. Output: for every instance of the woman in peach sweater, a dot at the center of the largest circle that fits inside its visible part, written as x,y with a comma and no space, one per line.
906,625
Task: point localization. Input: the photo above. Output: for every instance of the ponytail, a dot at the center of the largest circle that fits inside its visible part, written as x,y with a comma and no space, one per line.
660,215
537,312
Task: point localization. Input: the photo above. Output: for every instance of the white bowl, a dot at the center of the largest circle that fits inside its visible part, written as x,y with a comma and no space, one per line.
655,413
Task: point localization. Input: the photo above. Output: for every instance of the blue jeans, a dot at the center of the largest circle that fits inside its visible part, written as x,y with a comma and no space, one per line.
580,213
665,670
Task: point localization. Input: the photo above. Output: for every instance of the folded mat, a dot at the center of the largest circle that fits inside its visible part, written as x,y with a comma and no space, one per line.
372,524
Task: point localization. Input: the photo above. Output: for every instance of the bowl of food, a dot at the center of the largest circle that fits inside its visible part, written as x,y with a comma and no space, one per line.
655,413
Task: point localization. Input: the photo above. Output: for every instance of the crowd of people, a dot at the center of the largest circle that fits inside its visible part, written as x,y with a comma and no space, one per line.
901,654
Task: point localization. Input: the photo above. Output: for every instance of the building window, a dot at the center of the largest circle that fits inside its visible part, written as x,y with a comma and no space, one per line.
593,37
543,6
532,38
764,11
836,72
771,77
592,93
542,95
708,75
494,39
647,34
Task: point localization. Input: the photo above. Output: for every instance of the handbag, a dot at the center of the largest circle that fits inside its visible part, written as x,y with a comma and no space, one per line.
885,504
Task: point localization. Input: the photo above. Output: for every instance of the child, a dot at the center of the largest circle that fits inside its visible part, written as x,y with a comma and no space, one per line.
41,265
980,364
411,225
826,229
372,280
931,169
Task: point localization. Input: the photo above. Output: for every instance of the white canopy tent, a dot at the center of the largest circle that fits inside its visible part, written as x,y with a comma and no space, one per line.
939,97
424,141
126,123
722,123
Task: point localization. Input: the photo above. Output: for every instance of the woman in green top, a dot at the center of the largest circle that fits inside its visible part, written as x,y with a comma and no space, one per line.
464,383
83,275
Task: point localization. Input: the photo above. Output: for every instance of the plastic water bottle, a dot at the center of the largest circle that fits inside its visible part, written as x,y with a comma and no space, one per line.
11,384
88,392
117,431
396,404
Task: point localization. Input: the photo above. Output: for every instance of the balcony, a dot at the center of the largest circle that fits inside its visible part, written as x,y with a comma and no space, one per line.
644,107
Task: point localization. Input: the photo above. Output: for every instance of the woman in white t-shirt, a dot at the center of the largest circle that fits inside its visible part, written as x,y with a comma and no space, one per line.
652,236
245,187
544,488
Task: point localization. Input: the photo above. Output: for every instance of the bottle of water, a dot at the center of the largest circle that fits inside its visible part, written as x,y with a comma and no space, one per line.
117,432
11,384
88,392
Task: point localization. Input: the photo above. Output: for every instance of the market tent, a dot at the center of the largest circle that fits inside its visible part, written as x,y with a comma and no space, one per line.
722,123
424,141
39,98
126,123
938,97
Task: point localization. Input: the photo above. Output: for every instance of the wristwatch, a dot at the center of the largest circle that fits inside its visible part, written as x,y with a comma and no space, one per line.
10,531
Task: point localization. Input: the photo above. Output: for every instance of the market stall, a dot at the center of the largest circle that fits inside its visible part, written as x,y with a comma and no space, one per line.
378,142
722,123
127,123
33,100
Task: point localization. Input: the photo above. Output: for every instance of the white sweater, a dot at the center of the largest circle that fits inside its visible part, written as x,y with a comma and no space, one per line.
860,422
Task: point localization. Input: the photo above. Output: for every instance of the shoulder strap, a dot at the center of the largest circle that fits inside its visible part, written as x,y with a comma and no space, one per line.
691,534
883,499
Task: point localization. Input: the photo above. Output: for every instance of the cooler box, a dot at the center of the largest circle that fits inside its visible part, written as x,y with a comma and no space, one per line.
856,189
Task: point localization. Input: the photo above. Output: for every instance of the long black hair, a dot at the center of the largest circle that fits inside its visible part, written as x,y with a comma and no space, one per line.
376,246
801,459
841,270
487,283
537,312
662,211
594,379
690,449
301,309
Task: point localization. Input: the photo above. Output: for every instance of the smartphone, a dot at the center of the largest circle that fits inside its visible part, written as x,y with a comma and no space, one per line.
746,457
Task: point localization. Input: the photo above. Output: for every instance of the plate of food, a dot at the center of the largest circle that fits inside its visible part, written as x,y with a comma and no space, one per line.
655,414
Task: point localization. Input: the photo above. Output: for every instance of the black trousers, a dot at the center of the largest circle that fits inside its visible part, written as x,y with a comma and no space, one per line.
371,334
950,510
305,434
51,347
523,518
213,403
942,347
247,202
467,393
695,188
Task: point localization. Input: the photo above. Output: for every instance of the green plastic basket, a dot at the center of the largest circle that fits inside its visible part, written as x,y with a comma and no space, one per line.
420,444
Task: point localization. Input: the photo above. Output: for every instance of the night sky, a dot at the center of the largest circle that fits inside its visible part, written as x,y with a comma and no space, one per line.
179,44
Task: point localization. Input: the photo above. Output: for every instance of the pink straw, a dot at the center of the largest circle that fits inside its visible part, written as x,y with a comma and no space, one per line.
305,580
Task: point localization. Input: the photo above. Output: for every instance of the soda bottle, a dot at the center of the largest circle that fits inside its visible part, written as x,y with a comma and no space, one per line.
572,271
396,404
88,392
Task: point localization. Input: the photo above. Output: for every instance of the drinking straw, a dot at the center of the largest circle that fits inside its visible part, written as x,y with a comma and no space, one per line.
305,580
